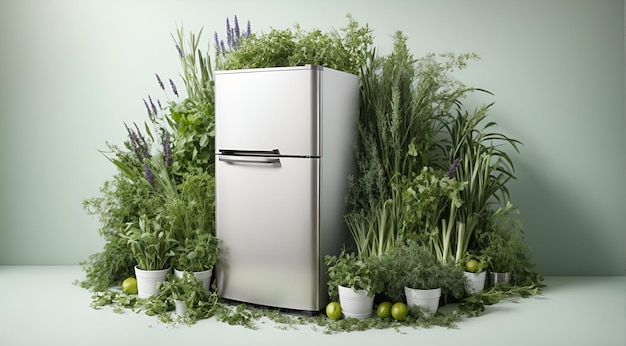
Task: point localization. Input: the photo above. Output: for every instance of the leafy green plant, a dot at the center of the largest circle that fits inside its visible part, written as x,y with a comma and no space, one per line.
190,118
483,163
152,247
350,270
431,199
504,244
343,50
199,253
413,265
187,289
378,230
473,305
403,102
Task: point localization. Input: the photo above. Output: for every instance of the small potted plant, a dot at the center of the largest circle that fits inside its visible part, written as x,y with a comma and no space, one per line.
413,272
189,208
152,248
198,255
355,281
505,247
475,271
184,292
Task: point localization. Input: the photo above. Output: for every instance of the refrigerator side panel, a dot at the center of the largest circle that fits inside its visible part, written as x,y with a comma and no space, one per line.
340,111
267,212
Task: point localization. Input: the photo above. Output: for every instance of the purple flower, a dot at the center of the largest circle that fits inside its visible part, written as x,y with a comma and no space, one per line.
148,173
180,51
160,82
452,169
223,47
217,42
174,90
237,32
141,142
167,150
229,34
133,140
154,109
248,31
147,108
159,103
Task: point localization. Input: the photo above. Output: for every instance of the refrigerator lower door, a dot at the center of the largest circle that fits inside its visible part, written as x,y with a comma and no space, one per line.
267,218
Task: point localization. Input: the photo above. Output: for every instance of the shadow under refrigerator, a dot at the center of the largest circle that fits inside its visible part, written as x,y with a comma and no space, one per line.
283,139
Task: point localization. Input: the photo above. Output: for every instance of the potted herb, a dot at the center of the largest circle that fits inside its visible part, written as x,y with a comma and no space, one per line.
504,245
355,281
189,208
184,292
152,248
198,255
475,271
411,271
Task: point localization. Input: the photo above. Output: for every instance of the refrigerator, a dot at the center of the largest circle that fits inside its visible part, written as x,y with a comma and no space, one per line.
283,141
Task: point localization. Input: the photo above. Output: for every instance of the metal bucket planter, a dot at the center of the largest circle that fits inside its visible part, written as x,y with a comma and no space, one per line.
496,278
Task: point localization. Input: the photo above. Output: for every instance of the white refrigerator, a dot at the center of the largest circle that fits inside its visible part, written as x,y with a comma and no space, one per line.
283,139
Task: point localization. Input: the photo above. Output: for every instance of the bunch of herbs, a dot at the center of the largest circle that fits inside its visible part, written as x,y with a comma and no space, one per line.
412,265
350,270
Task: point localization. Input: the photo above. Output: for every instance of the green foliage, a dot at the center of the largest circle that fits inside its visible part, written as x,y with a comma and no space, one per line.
192,120
198,253
414,266
122,199
431,200
152,247
508,252
475,304
205,304
380,229
403,104
484,165
342,50
350,270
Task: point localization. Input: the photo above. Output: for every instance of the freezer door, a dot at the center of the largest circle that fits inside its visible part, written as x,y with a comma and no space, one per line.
265,109
267,218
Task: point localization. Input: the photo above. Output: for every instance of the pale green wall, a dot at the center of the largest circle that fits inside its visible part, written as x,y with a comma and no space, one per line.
73,71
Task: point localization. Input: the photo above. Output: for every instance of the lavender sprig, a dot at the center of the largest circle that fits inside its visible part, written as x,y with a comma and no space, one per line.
154,109
248,31
149,175
229,34
160,82
452,170
141,142
217,43
133,141
147,109
237,32
180,51
167,149
174,90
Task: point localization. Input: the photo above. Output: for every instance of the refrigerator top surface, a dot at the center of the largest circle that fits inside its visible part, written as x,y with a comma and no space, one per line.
272,69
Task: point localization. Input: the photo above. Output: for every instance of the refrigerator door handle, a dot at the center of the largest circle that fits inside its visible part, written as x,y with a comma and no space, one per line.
267,161
231,152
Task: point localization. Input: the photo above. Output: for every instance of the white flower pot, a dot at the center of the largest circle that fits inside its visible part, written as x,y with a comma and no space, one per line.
203,276
147,281
427,300
356,304
475,281
180,306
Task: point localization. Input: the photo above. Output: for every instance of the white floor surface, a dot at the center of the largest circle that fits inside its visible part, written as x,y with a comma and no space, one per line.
40,305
